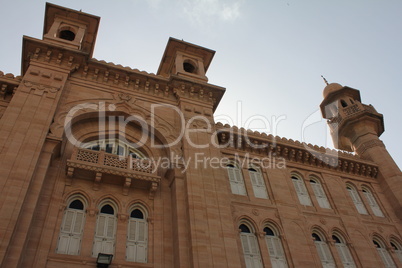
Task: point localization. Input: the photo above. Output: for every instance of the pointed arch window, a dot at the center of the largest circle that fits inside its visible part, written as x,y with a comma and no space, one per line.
301,191
384,254
137,236
260,191
319,193
236,179
324,253
397,249
250,247
275,249
343,251
105,233
72,229
356,200
372,202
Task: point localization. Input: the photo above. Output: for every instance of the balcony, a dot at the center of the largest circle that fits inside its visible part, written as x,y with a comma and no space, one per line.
114,169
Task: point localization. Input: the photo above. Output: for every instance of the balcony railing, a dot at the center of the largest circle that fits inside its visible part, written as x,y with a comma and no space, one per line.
101,162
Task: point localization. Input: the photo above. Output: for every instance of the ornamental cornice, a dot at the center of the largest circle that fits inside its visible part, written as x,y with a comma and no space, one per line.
294,151
8,85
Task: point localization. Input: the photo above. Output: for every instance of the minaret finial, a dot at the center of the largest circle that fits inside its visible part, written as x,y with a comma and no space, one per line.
325,80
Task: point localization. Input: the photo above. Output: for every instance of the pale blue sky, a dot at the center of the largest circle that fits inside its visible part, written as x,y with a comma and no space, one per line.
270,54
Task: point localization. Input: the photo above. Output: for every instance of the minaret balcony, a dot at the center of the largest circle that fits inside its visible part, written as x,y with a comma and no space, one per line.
350,113
106,168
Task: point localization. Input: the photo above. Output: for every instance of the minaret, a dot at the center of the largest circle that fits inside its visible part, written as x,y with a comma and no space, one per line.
356,127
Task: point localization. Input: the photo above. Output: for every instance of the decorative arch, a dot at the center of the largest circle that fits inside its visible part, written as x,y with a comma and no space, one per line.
356,199
137,233
272,234
321,243
371,200
248,239
72,226
257,181
396,245
340,240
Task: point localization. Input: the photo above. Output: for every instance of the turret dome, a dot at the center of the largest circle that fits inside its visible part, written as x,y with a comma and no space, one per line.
330,88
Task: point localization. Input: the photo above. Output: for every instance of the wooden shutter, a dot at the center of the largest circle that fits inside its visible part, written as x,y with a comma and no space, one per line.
137,241
301,192
260,191
236,181
104,235
373,203
71,232
386,258
320,195
357,201
344,254
251,251
325,255
275,251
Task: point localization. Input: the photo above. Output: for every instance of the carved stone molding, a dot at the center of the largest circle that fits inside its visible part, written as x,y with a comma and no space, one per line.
368,145
39,89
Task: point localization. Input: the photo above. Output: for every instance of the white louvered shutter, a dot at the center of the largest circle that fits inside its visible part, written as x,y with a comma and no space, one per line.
71,232
275,251
137,241
301,192
386,258
104,235
357,201
260,191
325,255
236,181
251,252
373,204
320,195
344,254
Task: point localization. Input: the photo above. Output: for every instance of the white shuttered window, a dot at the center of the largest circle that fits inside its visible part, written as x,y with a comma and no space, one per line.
251,250
384,254
137,237
356,200
372,203
71,229
319,194
258,183
301,191
344,253
105,233
275,249
323,251
236,180
397,249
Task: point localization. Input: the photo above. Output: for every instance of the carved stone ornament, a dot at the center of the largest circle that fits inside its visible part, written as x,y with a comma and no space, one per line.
39,89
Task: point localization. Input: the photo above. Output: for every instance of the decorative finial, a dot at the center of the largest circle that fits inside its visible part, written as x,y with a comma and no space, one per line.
325,80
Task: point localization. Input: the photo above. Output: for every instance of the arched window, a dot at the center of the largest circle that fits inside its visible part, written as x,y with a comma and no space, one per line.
382,251
72,228
356,200
343,251
258,183
343,103
301,191
137,236
275,249
236,179
105,233
319,193
114,146
67,35
324,253
251,250
372,202
397,249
